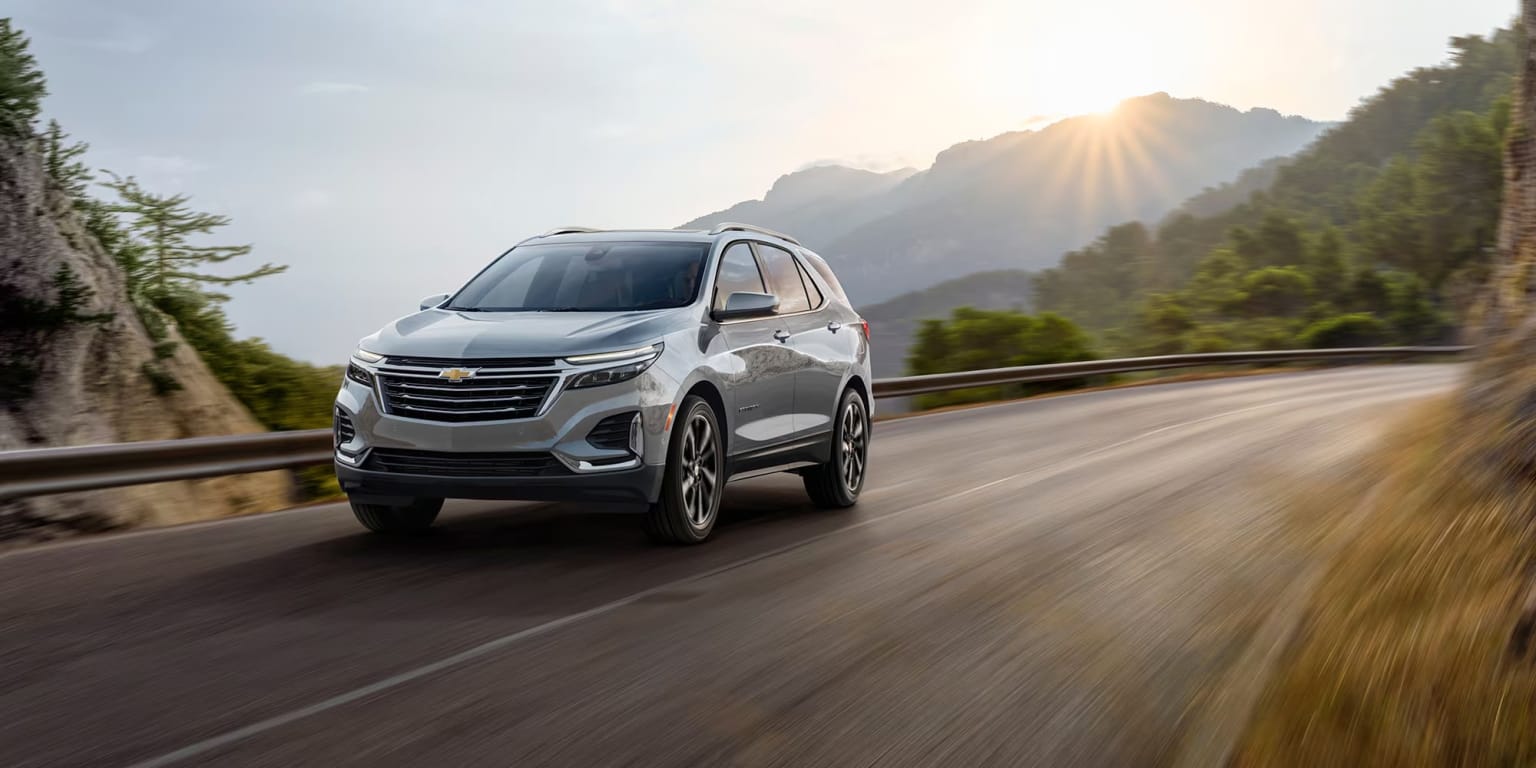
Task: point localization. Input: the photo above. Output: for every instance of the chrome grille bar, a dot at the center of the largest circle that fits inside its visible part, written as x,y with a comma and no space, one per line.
490,395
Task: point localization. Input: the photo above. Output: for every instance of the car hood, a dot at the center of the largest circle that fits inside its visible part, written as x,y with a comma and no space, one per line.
469,335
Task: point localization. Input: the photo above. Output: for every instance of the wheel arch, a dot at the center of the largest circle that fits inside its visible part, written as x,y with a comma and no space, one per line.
856,382
709,393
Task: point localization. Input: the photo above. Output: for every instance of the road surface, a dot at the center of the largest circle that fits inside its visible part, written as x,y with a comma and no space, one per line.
1065,581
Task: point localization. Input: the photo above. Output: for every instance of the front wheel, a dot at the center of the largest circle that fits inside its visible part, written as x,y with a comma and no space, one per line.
414,517
836,484
694,478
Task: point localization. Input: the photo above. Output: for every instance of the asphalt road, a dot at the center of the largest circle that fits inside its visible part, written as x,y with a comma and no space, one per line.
1066,581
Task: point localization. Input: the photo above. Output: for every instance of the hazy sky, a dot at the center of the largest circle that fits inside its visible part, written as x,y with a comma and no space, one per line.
387,149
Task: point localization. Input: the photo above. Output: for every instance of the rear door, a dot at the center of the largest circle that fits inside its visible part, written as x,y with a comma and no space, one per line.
814,341
762,378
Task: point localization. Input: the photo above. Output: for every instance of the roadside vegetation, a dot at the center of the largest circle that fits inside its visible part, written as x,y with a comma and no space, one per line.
1416,648
972,339
173,265
1379,233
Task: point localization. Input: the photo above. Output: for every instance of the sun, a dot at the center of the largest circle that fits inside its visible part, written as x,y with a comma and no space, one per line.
1066,61
1076,86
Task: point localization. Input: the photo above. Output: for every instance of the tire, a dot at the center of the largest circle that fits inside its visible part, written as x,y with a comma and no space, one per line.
694,480
837,483
412,518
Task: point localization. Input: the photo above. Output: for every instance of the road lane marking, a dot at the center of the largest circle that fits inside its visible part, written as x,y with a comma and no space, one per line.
394,681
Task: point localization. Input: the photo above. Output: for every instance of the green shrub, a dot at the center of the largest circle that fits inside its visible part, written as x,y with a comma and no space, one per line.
974,339
1353,330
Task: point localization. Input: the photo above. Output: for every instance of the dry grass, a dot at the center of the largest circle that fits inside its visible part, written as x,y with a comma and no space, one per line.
1404,656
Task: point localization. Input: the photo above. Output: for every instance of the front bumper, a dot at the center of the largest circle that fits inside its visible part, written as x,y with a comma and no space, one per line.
560,430
639,485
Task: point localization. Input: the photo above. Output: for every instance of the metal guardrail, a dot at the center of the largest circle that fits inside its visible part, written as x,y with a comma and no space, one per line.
41,471
83,468
1029,374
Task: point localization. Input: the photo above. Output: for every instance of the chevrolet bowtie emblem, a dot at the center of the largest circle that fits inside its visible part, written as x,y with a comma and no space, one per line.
457,374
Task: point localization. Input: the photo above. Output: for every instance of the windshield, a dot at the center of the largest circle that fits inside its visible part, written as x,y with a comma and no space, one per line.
586,277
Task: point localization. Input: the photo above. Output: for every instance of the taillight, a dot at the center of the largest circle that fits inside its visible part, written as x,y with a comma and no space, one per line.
864,326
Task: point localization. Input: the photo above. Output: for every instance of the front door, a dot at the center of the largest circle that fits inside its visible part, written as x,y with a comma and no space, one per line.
763,380
816,342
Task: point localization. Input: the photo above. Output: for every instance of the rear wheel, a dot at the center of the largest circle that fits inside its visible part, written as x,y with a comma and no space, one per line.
836,484
414,517
694,479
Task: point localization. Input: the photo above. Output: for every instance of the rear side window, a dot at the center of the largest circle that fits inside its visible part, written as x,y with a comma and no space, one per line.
783,278
811,290
820,265
738,272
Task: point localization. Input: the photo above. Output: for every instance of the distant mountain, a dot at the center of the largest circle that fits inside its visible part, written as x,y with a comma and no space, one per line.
817,204
1018,200
1217,200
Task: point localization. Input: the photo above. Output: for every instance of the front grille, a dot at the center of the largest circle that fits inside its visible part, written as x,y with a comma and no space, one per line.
487,397
344,429
441,464
490,362
612,433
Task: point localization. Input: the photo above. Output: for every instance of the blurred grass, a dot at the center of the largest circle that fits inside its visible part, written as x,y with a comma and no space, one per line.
1404,655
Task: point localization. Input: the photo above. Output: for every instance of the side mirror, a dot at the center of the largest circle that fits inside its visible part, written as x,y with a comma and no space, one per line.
744,304
432,301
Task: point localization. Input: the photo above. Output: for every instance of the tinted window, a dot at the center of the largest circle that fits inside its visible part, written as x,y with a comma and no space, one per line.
811,290
820,265
587,277
783,278
738,272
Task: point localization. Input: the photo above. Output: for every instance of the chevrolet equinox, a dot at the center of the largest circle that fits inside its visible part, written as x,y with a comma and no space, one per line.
615,366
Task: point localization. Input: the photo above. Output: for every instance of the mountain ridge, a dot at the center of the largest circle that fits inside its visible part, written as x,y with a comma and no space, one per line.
1019,199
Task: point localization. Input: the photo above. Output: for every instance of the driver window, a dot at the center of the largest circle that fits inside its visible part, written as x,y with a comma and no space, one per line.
738,272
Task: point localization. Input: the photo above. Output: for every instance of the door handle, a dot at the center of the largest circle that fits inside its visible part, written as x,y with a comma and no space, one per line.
781,335
834,326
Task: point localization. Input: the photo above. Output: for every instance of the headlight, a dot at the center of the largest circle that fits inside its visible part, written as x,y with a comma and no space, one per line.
649,350
639,359
366,356
359,374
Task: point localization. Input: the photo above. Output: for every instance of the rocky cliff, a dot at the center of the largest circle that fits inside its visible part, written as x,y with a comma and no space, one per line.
1501,395
78,367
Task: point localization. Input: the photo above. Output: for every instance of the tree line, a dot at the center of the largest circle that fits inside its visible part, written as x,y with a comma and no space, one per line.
1380,232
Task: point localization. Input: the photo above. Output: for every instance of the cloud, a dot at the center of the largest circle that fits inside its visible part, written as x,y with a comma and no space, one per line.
883,162
612,131
1036,122
106,29
333,86
128,43
313,199
167,165
166,173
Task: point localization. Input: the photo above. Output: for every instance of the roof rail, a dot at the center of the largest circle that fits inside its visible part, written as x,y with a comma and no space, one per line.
568,231
731,226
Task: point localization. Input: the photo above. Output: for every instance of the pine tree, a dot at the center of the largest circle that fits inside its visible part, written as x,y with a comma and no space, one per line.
60,159
162,225
22,87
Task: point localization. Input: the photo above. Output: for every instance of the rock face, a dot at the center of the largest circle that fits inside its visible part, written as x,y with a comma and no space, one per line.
1501,395
82,379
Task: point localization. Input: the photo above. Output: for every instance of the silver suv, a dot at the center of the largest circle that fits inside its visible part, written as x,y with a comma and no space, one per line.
615,366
